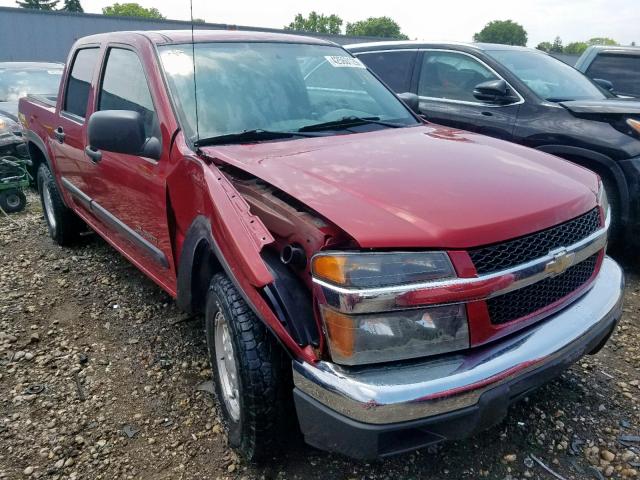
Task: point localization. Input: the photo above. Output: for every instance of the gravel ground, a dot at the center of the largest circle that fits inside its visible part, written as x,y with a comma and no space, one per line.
101,377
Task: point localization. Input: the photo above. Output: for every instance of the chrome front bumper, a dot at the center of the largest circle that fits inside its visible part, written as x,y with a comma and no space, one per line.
417,390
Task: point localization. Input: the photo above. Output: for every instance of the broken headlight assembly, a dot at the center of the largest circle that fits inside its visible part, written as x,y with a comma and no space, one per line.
384,336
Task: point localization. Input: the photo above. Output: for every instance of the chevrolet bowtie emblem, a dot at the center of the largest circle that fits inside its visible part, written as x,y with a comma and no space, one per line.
561,261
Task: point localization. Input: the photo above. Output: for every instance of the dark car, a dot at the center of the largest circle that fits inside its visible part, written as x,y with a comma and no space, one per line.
527,97
618,65
18,79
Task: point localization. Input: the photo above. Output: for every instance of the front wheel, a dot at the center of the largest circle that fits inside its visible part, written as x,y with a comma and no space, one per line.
249,372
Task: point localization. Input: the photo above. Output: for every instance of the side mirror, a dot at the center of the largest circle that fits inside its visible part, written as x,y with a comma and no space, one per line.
412,101
121,131
494,91
606,84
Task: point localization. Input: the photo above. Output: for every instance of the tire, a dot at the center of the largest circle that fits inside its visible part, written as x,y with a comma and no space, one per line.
253,409
12,201
64,225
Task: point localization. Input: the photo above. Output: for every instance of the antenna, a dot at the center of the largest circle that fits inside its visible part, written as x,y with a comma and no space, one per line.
195,83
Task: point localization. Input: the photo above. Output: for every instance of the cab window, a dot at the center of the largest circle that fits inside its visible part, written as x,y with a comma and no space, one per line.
124,87
79,83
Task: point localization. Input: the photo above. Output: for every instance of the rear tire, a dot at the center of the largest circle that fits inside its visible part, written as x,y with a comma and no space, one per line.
12,201
250,373
64,225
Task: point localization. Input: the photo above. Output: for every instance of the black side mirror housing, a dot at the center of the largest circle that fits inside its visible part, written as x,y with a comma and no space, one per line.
121,131
411,100
494,91
606,84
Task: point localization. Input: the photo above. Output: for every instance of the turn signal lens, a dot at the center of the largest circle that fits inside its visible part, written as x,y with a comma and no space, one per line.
400,335
383,269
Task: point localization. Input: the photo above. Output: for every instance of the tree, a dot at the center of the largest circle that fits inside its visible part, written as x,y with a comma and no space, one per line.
602,41
576,48
376,27
506,32
545,46
319,23
72,6
557,45
38,4
131,10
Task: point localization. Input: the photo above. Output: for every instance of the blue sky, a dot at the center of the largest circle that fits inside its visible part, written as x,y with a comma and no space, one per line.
572,20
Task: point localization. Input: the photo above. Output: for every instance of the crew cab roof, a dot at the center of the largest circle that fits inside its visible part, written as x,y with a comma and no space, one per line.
163,37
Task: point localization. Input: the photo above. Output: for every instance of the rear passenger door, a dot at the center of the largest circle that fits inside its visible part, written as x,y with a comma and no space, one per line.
129,190
394,67
68,135
445,88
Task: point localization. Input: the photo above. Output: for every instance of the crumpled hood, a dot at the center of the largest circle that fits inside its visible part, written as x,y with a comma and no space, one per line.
425,186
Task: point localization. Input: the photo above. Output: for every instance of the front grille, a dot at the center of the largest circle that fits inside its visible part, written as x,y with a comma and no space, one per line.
524,249
528,300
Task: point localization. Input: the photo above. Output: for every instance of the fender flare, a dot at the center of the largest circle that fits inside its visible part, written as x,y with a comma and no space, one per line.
199,233
32,137
599,163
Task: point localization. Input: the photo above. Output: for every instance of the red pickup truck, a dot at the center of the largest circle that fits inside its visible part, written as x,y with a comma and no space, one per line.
388,282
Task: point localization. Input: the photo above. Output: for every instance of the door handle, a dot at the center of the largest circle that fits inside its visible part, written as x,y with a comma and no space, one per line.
59,134
94,155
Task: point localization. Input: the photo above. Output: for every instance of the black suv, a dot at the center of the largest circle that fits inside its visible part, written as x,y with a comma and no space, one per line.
524,96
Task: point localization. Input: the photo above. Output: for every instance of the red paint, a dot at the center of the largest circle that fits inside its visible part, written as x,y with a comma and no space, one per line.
419,187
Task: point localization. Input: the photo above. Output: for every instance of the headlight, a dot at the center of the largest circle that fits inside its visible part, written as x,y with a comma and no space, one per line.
8,126
634,124
603,201
356,339
400,335
375,270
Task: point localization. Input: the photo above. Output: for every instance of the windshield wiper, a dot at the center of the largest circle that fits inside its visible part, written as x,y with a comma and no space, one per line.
255,135
346,122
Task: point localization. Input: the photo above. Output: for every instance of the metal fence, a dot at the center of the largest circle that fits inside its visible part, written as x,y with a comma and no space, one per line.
36,35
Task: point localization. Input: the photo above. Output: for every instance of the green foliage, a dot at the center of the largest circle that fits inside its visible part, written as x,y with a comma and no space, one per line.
38,4
506,32
576,48
376,27
602,41
131,10
557,45
545,46
72,6
319,23
199,20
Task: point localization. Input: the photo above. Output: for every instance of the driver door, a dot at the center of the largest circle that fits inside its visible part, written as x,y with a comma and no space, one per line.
445,88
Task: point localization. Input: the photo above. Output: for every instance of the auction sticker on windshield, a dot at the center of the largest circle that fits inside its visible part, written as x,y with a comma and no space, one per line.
338,61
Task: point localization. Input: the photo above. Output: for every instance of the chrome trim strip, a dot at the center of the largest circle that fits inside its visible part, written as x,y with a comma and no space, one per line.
419,389
456,290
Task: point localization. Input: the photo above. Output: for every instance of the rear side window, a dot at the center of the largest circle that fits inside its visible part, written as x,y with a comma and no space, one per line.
79,83
621,70
394,68
124,87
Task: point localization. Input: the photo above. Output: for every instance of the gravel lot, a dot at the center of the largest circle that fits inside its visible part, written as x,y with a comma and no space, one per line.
101,377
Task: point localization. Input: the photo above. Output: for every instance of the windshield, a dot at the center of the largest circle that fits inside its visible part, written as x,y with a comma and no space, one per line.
548,77
17,83
243,87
